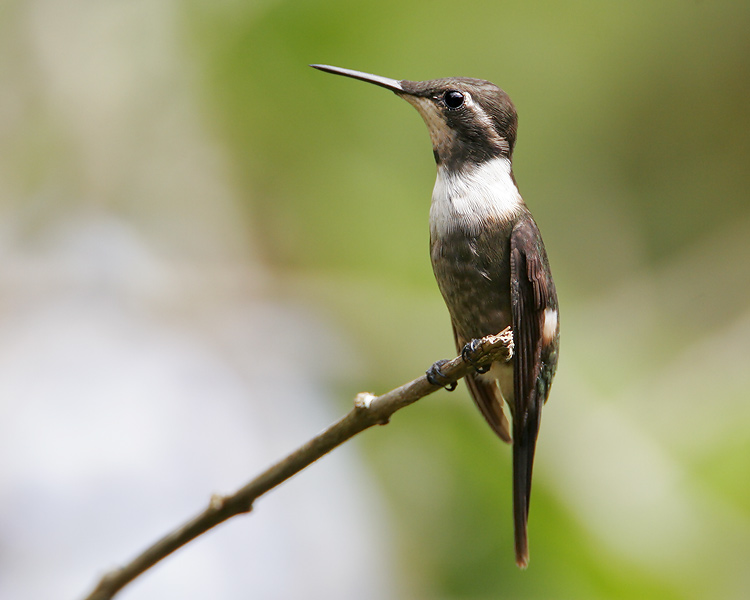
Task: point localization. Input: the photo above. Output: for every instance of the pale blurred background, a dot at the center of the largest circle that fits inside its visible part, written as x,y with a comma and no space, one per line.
207,248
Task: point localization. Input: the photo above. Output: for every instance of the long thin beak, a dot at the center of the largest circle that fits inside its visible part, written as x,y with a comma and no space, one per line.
390,84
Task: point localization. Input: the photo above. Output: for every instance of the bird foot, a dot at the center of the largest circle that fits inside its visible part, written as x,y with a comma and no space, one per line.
468,352
436,376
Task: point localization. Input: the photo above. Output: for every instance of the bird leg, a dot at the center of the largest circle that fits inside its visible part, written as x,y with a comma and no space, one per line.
468,352
436,376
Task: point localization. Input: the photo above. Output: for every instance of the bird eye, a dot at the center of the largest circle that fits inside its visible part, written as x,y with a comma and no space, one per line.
453,99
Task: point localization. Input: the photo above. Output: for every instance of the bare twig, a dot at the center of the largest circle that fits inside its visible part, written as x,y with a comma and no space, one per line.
368,410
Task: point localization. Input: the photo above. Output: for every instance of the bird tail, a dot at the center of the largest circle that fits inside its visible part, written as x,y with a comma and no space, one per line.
524,445
489,400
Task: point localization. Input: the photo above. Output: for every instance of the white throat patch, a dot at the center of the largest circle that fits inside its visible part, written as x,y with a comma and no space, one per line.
470,198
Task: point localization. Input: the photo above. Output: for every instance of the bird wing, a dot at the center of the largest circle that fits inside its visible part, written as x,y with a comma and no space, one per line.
535,335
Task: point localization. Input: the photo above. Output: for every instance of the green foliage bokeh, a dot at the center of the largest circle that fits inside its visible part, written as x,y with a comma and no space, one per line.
633,154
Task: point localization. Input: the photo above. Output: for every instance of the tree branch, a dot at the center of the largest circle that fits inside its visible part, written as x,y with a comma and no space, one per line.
368,410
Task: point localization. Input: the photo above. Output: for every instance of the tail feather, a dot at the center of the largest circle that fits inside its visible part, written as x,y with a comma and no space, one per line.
524,446
490,403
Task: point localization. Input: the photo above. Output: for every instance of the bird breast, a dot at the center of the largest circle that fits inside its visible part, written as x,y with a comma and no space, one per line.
472,215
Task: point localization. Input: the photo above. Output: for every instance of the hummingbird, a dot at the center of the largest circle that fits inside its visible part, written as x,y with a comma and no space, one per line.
489,261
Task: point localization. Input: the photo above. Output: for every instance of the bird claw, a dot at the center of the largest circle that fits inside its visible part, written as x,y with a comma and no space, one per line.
467,353
436,376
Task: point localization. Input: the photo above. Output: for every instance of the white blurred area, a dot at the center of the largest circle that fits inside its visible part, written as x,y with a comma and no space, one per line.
145,362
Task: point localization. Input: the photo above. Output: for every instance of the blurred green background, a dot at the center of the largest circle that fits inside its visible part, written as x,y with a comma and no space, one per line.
633,154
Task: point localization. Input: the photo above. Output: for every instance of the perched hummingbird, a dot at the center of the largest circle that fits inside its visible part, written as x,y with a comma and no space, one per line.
489,260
